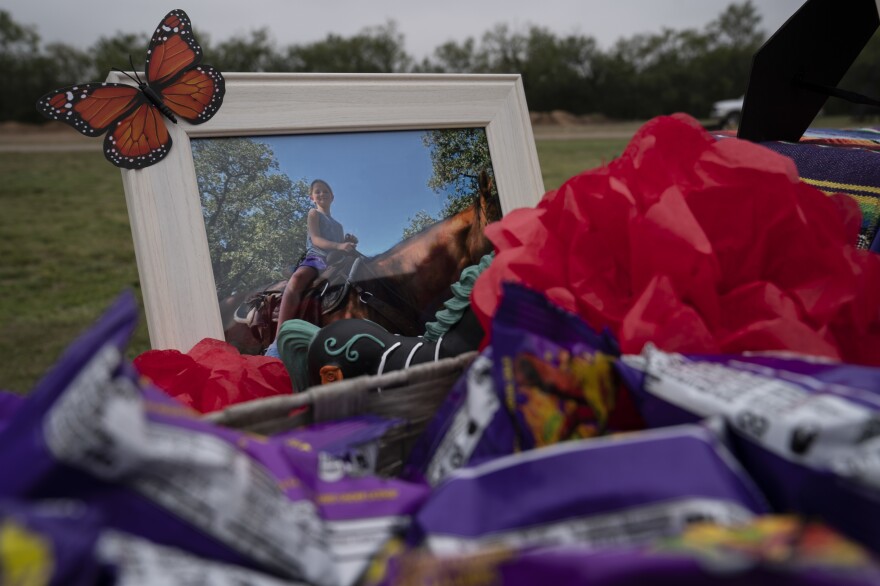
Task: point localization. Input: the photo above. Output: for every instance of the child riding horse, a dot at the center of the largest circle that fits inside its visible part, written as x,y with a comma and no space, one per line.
402,288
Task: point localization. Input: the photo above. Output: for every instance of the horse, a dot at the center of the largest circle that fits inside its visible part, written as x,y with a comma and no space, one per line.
353,347
400,289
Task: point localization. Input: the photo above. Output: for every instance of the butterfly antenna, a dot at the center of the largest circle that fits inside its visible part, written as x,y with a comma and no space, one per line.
131,62
126,74
150,93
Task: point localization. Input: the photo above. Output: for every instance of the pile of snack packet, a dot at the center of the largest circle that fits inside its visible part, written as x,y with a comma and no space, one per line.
524,475
573,450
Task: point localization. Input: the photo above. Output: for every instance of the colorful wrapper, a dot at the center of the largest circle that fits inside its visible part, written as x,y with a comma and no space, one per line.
614,490
338,449
471,426
556,373
548,378
49,543
813,445
866,378
94,431
64,543
137,562
769,551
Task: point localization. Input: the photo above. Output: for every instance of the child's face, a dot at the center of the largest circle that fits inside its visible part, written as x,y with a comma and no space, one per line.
321,195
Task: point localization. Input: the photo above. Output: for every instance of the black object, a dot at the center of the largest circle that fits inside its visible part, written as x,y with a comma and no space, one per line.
800,66
356,347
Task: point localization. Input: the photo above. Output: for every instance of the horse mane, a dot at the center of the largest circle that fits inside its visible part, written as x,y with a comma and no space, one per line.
455,306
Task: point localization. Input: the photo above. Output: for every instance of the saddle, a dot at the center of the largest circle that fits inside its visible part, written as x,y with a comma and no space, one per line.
334,283
330,290
260,311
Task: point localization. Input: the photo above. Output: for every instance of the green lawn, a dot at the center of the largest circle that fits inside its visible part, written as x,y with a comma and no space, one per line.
560,159
65,254
66,250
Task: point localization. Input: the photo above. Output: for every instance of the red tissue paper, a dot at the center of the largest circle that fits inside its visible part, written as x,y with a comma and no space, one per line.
697,245
214,375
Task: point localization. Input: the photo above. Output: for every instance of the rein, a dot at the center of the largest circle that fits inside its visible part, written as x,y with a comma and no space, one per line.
381,307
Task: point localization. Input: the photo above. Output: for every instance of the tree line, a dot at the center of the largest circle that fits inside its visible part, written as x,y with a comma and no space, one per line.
638,77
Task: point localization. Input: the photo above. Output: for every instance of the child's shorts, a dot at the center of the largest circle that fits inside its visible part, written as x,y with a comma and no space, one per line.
316,262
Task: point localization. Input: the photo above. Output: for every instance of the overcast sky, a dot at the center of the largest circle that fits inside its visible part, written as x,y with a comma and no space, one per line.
425,25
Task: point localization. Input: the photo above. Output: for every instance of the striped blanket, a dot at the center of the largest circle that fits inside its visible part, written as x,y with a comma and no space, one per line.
841,161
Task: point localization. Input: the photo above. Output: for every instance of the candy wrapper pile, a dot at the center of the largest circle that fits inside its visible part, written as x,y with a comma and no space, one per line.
680,384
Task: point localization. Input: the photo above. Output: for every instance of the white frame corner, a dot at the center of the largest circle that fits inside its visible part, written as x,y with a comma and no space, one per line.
163,200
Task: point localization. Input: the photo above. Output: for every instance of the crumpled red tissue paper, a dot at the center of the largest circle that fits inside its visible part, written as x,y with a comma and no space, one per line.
697,245
214,375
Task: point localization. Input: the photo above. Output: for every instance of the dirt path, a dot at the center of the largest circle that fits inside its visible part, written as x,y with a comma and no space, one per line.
52,137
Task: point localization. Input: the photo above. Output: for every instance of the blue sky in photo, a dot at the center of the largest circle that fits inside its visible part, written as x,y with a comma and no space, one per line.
379,179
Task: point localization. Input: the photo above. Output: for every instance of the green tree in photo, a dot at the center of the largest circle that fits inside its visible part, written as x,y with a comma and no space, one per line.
457,157
417,223
255,216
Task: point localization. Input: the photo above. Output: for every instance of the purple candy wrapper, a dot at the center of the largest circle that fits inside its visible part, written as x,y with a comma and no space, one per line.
9,404
338,449
94,431
137,562
470,427
359,511
571,391
615,490
63,543
771,551
813,445
854,376
49,543
556,373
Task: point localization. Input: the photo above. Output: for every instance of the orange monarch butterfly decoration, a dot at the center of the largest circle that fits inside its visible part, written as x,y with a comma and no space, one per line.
176,85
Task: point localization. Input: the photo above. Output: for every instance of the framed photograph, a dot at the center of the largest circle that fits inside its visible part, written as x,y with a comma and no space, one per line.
223,215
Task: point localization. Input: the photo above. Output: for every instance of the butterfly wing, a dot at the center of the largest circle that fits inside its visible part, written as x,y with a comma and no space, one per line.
192,91
173,49
137,134
91,108
139,140
196,95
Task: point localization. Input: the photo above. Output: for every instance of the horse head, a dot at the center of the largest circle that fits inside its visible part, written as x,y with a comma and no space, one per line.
487,209
416,274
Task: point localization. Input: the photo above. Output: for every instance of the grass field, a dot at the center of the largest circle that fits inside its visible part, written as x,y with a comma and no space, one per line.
66,250
560,159
66,253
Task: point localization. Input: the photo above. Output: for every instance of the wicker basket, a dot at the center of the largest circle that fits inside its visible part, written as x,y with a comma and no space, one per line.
413,395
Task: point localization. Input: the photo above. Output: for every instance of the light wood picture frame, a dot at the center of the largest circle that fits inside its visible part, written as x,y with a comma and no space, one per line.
164,204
